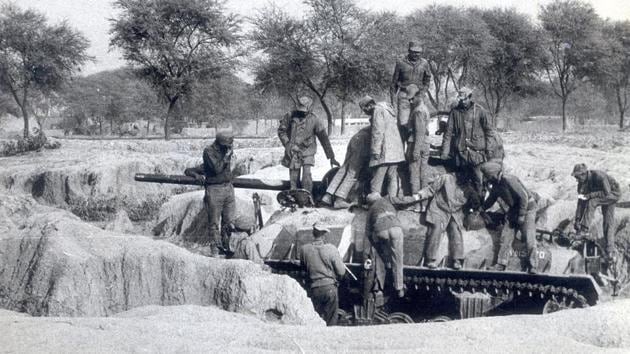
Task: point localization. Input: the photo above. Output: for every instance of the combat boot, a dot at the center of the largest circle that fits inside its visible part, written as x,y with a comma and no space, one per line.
457,264
433,264
341,204
327,200
499,267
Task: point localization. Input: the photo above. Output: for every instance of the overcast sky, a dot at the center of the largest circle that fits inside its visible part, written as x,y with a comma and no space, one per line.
91,16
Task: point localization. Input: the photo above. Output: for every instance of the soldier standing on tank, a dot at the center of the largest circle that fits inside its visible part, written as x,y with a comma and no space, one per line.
219,197
411,69
596,188
418,140
325,269
520,214
386,148
468,138
297,132
448,195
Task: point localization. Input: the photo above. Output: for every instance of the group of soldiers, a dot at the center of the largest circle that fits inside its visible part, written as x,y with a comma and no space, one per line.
391,157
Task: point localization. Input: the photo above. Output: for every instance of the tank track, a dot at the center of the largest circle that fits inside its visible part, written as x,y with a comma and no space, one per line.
576,291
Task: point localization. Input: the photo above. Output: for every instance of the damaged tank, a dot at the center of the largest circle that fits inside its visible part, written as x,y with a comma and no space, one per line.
431,294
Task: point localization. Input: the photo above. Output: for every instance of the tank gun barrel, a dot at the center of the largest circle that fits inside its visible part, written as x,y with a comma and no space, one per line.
238,182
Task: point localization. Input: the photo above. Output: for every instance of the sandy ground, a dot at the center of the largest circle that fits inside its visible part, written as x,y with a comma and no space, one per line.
205,329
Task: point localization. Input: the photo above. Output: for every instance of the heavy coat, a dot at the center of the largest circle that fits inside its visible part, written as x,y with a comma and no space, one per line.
468,147
386,141
407,73
298,138
447,201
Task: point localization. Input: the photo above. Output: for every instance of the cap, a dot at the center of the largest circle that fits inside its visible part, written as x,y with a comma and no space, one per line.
579,169
225,137
365,100
412,90
414,47
491,168
372,197
304,104
320,227
465,90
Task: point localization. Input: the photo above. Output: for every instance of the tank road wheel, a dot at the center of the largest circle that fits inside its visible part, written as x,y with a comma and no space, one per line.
399,317
440,319
555,305
344,318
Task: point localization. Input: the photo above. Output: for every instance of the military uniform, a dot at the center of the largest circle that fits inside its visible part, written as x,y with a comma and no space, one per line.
386,235
386,149
445,213
467,140
520,216
324,267
297,135
599,189
219,197
418,147
354,165
407,72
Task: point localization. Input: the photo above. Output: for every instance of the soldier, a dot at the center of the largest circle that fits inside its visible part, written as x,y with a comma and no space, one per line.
297,132
468,137
325,268
417,143
386,145
449,195
596,188
219,197
353,169
520,214
385,233
411,69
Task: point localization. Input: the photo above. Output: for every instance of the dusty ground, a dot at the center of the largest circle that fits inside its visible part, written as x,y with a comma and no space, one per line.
543,162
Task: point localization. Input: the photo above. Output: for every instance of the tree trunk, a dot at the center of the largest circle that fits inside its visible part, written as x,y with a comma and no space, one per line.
621,117
329,115
100,127
343,116
621,104
171,105
257,120
27,129
564,113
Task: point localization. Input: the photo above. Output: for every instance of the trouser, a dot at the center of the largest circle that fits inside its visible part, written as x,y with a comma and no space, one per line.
220,204
455,240
390,247
528,232
378,177
586,211
326,302
343,182
306,178
403,109
418,173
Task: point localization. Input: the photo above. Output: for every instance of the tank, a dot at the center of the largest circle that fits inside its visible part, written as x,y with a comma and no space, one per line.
431,294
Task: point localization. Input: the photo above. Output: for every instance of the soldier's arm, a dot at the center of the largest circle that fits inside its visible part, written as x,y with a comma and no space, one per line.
446,138
488,130
213,161
321,131
378,131
433,187
521,193
337,262
606,189
393,88
194,171
403,201
283,129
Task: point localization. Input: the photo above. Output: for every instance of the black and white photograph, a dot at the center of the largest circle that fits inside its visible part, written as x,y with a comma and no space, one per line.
314,176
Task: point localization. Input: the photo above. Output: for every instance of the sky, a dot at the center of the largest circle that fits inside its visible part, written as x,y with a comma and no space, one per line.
91,16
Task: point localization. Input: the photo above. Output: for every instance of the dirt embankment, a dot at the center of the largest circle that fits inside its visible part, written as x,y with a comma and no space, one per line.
54,264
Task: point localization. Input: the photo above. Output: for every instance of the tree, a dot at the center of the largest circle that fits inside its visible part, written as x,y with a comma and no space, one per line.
172,43
516,58
456,42
326,53
36,56
572,31
613,69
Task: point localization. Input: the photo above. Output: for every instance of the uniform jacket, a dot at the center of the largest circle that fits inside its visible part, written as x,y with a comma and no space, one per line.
298,138
382,213
357,153
386,141
217,165
419,137
599,184
448,200
516,198
470,145
323,263
407,73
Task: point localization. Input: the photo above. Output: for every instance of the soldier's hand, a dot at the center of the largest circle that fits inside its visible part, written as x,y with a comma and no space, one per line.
582,197
295,148
200,178
334,163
